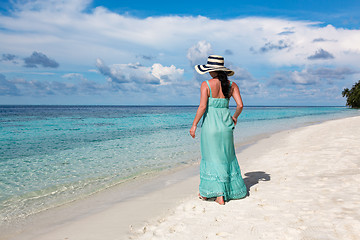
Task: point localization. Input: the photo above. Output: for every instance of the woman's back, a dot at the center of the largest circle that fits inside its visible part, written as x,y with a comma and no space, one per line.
216,89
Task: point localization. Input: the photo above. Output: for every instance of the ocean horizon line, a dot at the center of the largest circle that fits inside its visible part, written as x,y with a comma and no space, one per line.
144,105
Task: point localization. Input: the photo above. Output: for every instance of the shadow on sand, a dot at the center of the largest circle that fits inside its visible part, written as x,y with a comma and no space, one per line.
253,178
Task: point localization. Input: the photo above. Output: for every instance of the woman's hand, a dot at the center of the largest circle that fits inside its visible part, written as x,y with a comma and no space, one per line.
234,119
192,131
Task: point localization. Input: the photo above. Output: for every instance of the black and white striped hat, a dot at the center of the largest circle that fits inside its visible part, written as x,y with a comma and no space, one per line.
214,63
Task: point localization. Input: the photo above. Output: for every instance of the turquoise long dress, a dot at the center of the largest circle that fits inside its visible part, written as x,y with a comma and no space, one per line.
220,173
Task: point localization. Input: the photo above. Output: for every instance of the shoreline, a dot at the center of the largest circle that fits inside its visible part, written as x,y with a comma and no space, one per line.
153,197
96,203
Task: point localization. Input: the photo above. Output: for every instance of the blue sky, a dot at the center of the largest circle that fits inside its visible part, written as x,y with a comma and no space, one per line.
130,52
336,12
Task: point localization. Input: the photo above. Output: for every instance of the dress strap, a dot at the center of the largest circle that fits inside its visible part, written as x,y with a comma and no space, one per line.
230,83
209,88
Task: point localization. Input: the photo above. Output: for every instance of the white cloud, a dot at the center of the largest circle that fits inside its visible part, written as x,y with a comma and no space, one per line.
167,75
311,76
36,88
135,73
247,83
63,28
73,76
198,53
77,35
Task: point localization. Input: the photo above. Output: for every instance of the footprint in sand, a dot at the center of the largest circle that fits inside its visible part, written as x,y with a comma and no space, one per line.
223,234
177,228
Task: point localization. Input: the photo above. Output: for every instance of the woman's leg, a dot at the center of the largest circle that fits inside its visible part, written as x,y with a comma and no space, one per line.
201,197
220,200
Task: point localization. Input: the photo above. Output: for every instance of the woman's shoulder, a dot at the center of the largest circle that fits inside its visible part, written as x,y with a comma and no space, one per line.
204,83
233,87
233,84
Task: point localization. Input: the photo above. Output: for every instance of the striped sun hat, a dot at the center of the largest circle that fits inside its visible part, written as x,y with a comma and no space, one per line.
214,63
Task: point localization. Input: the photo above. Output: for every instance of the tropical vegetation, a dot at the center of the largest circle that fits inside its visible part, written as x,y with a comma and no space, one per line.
352,95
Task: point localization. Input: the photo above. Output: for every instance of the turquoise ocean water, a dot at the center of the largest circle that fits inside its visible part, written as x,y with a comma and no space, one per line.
51,155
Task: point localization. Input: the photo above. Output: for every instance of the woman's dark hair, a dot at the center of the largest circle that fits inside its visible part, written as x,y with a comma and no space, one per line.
225,84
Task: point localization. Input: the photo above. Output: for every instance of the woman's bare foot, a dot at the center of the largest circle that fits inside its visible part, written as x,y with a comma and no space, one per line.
201,197
220,200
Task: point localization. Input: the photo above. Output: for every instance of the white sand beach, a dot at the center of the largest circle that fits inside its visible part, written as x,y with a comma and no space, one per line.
304,184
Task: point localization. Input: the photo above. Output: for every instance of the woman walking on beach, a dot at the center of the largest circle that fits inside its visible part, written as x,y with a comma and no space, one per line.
220,174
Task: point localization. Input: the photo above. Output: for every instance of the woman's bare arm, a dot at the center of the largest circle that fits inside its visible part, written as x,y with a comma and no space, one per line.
201,109
239,103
